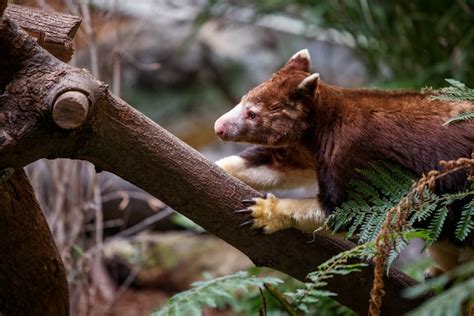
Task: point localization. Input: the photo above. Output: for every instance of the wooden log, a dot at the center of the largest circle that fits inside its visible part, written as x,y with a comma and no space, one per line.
53,31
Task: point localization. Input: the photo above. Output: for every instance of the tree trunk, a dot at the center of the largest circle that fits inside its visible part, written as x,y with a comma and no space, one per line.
116,137
32,275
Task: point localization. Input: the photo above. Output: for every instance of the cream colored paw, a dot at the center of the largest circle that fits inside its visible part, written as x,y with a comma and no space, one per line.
266,214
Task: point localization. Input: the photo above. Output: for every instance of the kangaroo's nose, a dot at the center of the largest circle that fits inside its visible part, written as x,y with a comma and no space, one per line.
219,127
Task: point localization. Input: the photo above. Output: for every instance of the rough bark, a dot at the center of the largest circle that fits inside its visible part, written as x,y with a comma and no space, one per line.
32,275
117,138
53,31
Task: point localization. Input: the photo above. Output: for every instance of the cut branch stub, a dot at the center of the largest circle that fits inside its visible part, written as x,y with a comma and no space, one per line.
70,109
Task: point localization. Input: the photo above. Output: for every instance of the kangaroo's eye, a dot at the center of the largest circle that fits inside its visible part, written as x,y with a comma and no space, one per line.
251,115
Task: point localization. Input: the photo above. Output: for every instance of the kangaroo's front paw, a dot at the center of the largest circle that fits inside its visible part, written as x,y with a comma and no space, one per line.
266,214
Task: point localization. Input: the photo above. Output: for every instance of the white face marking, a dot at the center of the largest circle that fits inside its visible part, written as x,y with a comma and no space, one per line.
235,114
230,124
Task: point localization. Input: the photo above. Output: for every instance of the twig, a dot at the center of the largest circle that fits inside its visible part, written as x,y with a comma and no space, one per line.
147,222
282,300
263,308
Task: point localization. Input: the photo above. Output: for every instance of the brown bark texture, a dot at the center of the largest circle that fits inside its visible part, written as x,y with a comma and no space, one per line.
32,275
117,138
53,31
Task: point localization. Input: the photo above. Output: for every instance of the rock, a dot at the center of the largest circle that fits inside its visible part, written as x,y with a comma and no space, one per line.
172,260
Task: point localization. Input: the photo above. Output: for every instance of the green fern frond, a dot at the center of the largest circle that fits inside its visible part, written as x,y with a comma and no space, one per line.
424,211
466,222
379,189
212,293
344,263
341,264
436,224
402,240
447,302
370,232
458,91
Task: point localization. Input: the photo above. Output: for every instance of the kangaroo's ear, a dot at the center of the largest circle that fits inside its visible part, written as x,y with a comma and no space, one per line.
309,84
301,61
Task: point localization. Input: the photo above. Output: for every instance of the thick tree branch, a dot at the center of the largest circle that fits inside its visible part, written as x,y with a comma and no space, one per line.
117,138
32,275
53,31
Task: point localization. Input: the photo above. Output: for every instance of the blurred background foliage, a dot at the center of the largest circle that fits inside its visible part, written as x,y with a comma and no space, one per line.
185,62
404,43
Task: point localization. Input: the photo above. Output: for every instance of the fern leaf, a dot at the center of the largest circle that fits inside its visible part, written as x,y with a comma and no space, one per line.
437,223
356,224
365,190
213,293
447,303
458,91
425,211
376,227
450,301
466,222
379,189
337,265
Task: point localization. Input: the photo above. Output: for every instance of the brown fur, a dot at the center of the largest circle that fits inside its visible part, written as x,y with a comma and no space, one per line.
279,158
348,129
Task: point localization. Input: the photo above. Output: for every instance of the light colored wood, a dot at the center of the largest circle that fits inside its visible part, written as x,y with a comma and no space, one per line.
70,109
53,31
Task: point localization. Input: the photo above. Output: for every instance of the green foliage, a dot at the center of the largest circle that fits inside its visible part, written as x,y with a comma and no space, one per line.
401,241
457,91
416,268
429,34
440,206
433,40
448,301
379,189
466,222
342,264
213,293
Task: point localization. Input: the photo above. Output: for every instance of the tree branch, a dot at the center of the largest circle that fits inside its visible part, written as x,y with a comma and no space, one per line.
32,275
117,138
53,31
